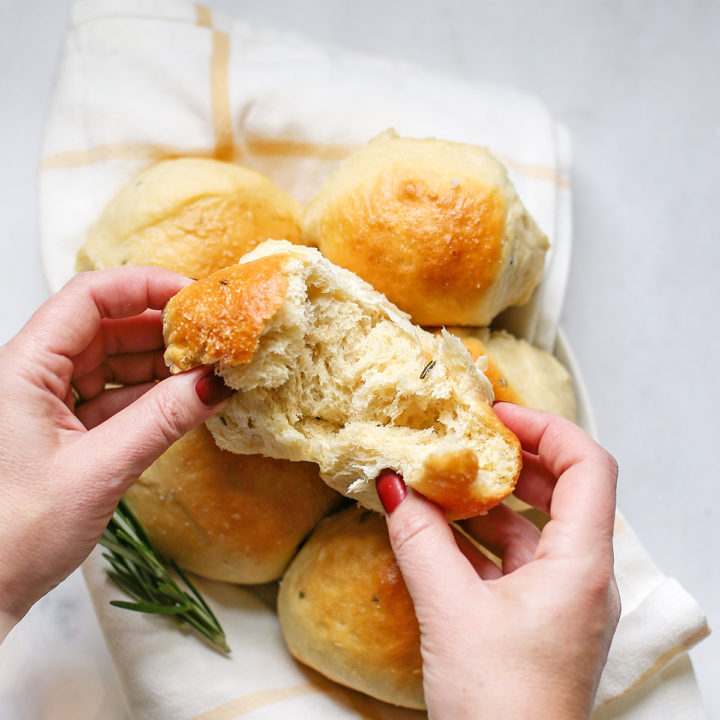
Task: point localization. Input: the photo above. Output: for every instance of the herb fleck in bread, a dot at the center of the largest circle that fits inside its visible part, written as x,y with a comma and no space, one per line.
331,372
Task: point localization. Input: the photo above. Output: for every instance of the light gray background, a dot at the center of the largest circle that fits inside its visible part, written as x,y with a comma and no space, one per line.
635,83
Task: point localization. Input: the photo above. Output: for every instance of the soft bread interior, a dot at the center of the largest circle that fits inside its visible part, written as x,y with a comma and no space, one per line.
341,377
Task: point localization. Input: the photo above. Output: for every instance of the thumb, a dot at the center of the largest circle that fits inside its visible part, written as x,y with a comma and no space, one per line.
126,444
424,545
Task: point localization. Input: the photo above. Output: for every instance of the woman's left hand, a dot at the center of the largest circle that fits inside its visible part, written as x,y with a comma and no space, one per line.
69,452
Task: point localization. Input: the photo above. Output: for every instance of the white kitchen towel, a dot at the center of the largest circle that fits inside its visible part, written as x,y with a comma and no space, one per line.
143,80
165,675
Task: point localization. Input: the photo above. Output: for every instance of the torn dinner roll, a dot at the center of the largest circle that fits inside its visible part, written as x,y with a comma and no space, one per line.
327,370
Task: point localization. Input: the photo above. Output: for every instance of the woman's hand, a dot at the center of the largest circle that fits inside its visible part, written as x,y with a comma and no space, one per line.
65,459
529,640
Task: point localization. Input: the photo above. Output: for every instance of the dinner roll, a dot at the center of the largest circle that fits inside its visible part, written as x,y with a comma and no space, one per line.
345,611
329,371
520,372
436,226
237,518
192,216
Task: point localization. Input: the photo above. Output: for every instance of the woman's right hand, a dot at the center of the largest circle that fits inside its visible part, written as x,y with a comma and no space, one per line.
530,640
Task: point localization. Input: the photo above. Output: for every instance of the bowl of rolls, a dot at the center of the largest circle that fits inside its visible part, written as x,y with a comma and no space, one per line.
361,330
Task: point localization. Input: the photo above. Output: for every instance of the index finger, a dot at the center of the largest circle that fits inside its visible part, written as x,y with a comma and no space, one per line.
584,496
68,321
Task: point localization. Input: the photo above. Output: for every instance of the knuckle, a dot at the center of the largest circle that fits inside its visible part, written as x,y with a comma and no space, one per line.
599,579
79,288
413,530
603,459
518,549
172,420
79,282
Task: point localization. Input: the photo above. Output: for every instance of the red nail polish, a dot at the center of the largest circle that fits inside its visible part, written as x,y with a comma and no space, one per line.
212,390
391,489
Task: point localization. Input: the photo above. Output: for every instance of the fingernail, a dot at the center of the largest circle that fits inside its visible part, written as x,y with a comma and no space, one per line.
391,489
212,390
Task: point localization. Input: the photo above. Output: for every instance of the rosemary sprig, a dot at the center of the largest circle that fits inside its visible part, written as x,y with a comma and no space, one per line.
141,572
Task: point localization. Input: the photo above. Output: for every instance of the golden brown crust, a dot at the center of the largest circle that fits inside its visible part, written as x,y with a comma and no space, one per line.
434,225
502,387
412,241
450,480
236,518
225,227
345,610
193,216
220,318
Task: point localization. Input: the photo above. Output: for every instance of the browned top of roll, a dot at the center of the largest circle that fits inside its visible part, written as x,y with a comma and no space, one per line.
237,518
220,318
345,610
190,215
434,225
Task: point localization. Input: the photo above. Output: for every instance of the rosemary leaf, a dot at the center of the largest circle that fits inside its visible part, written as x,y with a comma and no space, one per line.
427,369
143,574
147,607
195,591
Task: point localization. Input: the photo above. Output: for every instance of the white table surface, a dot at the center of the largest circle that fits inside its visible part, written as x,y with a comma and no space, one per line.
635,84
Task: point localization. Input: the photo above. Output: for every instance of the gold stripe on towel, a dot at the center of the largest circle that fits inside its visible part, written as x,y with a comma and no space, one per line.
203,16
220,96
219,86
366,707
253,701
538,172
259,146
119,151
294,148
620,524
